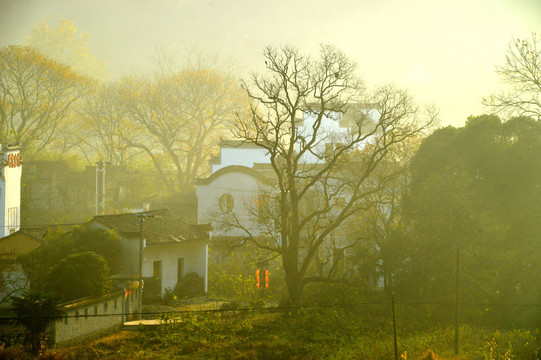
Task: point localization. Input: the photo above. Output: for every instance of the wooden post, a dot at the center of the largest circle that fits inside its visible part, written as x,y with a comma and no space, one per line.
456,302
394,331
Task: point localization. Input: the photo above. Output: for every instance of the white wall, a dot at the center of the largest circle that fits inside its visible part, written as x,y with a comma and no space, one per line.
245,190
245,156
329,132
194,254
10,191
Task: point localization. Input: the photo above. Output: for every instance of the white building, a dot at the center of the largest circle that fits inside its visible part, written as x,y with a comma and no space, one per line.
242,170
10,189
171,250
235,152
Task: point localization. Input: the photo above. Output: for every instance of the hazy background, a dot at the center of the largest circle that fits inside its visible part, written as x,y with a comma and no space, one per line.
445,52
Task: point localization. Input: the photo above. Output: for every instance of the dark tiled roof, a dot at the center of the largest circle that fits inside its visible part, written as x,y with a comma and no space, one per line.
237,144
232,169
157,230
38,233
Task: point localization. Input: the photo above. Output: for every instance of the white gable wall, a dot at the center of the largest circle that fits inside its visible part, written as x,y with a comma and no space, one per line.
245,190
245,156
10,191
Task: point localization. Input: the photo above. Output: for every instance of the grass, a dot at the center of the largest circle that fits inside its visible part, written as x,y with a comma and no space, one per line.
314,334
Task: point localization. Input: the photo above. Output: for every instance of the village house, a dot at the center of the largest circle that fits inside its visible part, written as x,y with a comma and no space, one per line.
171,247
242,178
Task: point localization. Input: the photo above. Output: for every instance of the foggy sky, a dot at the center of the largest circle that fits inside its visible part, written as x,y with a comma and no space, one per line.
444,52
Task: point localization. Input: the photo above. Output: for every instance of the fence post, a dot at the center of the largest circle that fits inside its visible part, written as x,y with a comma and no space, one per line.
394,331
456,303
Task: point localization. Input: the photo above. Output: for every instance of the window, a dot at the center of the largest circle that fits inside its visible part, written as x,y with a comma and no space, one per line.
226,203
86,313
13,219
180,269
114,305
157,269
105,307
95,310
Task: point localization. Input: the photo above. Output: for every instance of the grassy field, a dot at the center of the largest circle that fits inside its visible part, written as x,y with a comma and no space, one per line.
314,334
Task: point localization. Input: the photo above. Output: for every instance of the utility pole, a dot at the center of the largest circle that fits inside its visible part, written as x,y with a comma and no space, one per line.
100,191
98,170
141,218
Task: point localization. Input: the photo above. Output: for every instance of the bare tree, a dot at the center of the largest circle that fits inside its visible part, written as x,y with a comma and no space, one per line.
36,95
105,131
12,279
179,118
522,71
324,165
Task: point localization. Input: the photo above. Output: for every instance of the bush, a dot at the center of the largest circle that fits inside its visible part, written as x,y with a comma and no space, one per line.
35,311
190,286
152,291
60,245
79,275
14,353
169,297
229,306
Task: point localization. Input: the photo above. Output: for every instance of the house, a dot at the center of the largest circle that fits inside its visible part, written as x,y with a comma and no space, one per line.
13,280
10,189
171,247
242,187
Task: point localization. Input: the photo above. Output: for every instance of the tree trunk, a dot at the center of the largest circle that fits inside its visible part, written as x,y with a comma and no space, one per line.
295,287
35,342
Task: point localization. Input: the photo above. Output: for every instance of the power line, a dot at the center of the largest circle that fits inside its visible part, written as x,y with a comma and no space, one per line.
267,309
37,226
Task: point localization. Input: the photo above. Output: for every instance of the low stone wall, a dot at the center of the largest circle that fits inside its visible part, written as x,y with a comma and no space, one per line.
90,318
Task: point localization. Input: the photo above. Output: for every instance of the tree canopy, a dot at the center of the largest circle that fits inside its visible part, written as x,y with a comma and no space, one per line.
476,188
66,45
36,95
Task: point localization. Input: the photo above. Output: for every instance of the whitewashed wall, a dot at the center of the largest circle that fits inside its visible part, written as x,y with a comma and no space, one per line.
245,190
10,191
329,132
194,254
245,156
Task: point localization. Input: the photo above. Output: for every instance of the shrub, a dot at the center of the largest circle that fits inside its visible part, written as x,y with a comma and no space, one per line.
229,306
79,275
169,297
190,286
35,311
152,291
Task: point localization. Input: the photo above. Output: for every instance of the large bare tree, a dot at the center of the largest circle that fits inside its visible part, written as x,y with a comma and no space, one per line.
324,166
522,72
